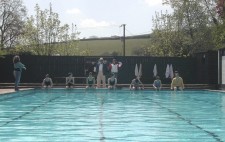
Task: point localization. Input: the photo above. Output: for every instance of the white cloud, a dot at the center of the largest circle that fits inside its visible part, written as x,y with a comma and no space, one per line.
152,3
75,11
91,23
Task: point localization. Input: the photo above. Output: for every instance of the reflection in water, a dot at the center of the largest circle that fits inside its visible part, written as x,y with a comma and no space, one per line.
223,106
101,111
135,92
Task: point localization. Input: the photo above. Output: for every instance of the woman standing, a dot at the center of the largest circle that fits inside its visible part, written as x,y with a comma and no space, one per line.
18,66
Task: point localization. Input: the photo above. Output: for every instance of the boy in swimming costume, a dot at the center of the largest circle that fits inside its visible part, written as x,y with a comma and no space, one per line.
47,82
177,82
90,81
157,84
136,84
112,81
69,81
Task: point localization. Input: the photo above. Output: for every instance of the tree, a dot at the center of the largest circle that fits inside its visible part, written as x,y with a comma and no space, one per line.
45,36
220,8
2,53
68,41
43,31
138,51
219,34
162,35
12,15
185,31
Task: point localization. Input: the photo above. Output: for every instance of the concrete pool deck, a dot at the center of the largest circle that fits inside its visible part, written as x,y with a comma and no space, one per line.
4,91
9,87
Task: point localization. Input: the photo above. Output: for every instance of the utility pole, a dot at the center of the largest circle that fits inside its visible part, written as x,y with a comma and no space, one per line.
123,25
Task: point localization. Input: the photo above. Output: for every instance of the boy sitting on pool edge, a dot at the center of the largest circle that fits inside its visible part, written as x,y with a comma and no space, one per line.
90,81
157,84
136,84
177,82
47,82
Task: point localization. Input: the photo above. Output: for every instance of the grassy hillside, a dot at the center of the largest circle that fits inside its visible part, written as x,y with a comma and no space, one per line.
105,47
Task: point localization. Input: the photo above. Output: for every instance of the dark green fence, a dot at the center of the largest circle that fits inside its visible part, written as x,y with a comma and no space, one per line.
199,69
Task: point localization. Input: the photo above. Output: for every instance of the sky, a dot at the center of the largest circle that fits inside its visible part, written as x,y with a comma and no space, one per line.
103,18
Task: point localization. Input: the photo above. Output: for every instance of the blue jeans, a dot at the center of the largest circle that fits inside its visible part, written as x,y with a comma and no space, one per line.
17,75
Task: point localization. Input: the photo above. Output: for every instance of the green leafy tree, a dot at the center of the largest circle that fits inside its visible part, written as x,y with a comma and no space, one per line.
2,53
219,30
12,15
45,36
68,41
185,31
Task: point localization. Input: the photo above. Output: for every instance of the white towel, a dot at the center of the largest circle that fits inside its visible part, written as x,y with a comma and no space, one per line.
171,71
167,74
155,71
136,70
140,70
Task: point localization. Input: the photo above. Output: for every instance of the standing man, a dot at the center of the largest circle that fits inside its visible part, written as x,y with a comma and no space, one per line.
101,71
114,67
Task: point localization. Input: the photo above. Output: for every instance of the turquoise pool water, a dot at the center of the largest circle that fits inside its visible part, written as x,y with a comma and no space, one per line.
112,116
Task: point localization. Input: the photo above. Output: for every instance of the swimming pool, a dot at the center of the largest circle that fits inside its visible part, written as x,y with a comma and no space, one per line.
112,116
